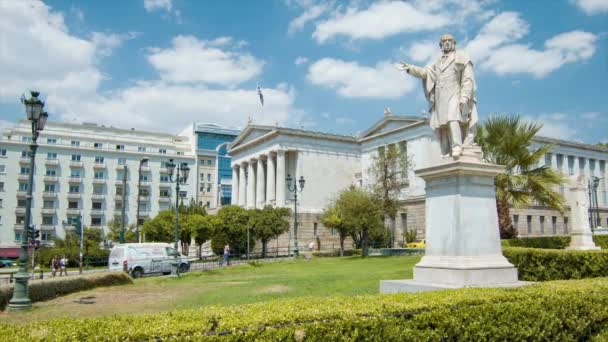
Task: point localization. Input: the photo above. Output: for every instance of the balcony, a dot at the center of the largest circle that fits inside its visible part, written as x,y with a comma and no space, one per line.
163,169
120,167
118,197
144,213
49,194
75,179
72,211
51,162
165,185
24,160
99,181
23,177
164,199
99,165
20,210
51,178
21,193
18,226
145,184
98,196
145,168
74,195
97,212
48,210
76,163
47,227
144,198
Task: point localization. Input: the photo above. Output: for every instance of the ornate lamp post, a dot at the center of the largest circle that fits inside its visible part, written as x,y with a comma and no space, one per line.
141,163
181,176
293,187
37,117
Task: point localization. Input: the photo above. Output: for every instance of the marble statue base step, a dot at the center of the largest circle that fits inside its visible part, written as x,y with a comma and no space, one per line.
413,286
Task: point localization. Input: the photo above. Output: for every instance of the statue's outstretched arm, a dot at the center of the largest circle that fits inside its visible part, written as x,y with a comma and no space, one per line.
413,70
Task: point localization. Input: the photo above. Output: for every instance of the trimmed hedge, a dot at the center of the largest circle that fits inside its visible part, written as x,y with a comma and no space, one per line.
336,253
560,310
551,242
535,264
54,287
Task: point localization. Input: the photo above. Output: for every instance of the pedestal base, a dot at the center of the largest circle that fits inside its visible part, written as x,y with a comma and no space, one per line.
412,286
582,242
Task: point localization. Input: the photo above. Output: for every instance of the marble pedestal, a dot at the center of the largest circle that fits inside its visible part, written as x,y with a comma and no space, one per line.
581,236
462,238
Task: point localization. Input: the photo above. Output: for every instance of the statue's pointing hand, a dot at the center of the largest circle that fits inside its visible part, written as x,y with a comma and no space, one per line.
403,66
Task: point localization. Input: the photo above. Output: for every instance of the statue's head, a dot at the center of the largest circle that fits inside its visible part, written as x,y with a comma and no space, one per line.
447,43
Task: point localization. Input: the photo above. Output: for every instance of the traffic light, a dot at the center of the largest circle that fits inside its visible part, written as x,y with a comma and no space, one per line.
36,234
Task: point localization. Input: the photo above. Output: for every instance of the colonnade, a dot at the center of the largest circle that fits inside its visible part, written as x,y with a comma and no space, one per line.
260,181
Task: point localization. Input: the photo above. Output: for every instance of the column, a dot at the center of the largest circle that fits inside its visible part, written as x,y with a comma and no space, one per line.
270,180
251,184
281,178
235,186
260,178
242,186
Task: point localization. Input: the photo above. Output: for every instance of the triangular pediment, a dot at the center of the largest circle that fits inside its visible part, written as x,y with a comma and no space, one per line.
390,123
250,133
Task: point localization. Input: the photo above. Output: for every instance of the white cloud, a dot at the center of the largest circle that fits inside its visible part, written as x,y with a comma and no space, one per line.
105,43
380,20
424,51
555,125
153,5
350,79
345,121
194,60
496,48
301,60
310,14
591,7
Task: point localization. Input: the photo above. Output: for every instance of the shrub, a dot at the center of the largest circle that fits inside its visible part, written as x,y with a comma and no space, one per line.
560,310
50,288
336,253
551,242
550,264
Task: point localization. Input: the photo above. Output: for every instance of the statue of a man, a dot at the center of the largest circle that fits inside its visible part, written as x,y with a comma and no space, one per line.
449,86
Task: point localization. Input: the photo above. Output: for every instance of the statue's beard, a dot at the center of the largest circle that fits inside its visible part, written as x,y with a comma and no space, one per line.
447,49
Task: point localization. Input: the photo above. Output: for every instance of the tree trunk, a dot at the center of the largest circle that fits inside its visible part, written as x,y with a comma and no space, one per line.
505,225
264,242
200,252
342,237
364,242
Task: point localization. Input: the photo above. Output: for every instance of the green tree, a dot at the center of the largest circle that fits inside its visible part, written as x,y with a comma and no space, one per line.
114,232
70,247
230,228
361,211
161,227
268,223
202,229
389,172
602,144
507,140
332,218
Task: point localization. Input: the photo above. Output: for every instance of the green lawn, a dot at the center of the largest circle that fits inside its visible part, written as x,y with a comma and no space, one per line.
228,286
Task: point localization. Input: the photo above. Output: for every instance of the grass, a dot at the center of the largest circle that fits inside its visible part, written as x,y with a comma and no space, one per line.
320,277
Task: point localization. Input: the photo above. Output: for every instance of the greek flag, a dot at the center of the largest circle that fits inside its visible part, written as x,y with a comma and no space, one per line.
261,95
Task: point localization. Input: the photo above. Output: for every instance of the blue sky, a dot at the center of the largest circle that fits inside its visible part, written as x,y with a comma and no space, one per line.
329,66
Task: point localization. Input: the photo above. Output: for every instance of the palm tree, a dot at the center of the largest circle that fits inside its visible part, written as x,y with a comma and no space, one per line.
507,140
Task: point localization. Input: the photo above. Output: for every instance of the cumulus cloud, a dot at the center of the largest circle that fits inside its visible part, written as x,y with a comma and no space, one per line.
154,5
424,51
349,79
105,43
380,20
194,60
300,60
555,125
592,7
309,14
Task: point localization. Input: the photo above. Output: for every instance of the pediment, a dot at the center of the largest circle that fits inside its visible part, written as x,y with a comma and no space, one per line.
390,123
250,133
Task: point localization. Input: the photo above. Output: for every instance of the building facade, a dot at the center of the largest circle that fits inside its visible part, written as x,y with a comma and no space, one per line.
80,170
262,157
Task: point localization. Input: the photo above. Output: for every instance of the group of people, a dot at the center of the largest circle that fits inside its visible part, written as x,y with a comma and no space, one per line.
59,264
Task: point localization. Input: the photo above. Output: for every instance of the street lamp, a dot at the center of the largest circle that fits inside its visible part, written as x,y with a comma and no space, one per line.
293,187
594,201
37,117
181,176
141,163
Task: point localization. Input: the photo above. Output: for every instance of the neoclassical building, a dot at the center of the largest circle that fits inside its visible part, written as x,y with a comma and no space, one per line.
263,156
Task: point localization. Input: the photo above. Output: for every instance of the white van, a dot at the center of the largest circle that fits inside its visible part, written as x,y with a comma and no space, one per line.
138,259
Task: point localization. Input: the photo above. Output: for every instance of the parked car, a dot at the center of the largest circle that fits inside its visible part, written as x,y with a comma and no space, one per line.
138,259
418,244
6,263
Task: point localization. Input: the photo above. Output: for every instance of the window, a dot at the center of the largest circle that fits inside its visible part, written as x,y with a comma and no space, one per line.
554,224
17,236
2,168
26,154
542,224
208,177
144,192
98,145
570,165
75,173
2,152
180,153
75,157
22,186
48,204
118,205
47,236
143,178
162,151
202,176
1,186
141,149
208,188
47,220
183,194
21,203
49,187
516,221
201,188
120,147
75,143
98,175
164,178
565,225
51,172
96,206
165,193
209,161
98,189
26,139
72,220
208,204
73,205
119,190
120,175
95,221
314,229
25,170
74,189
548,159
51,155
122,161
99,160
529,223
51,141
19,219
0,202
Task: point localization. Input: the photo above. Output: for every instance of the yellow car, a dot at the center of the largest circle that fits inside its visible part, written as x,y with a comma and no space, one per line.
419,244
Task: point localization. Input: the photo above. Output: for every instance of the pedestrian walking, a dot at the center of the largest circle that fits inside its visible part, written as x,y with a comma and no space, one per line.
63,263
227,255
54,265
